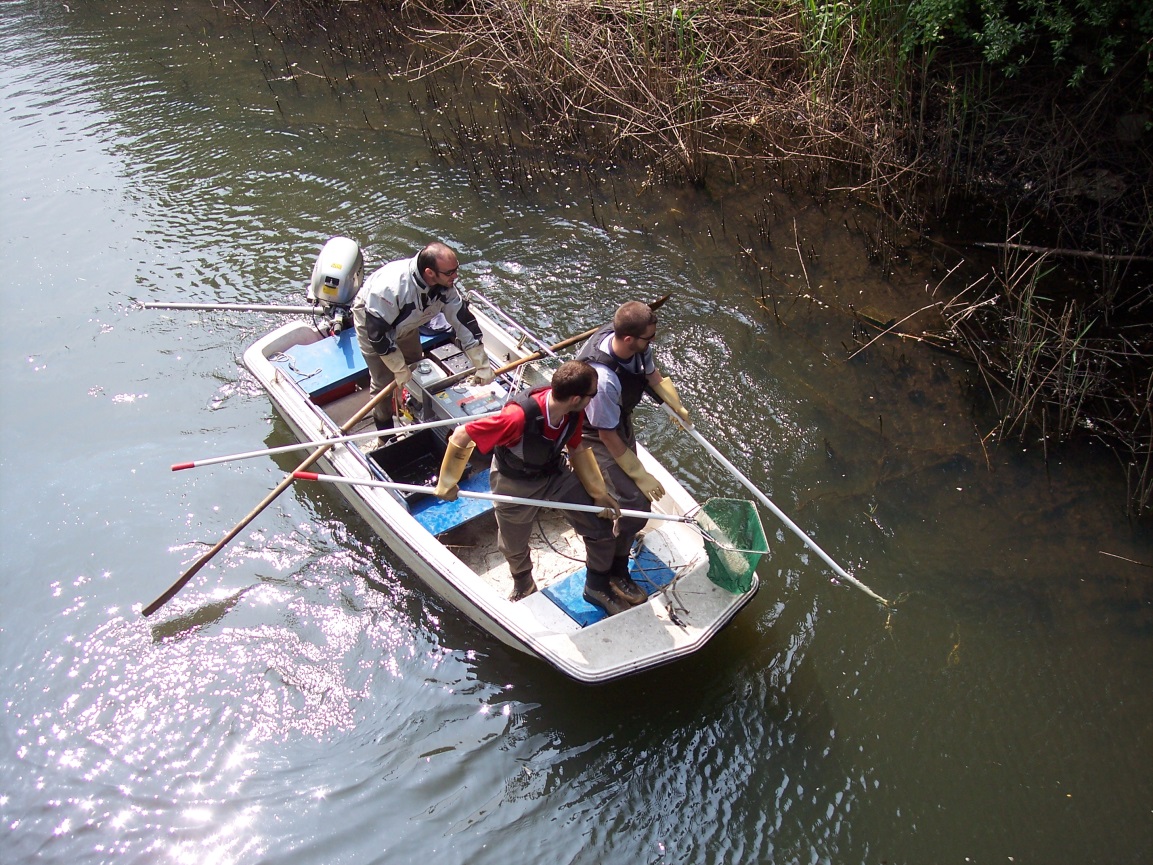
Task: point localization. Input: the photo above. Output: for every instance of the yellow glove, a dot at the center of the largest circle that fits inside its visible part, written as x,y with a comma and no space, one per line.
394,360
477,357
631,465
584,466
452,469
669,396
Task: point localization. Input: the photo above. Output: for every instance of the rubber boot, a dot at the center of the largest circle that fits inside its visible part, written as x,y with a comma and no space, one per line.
382,423
522,586
623,585
598,591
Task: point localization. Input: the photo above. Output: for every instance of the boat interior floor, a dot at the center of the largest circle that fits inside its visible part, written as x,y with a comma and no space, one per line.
557,551
345,408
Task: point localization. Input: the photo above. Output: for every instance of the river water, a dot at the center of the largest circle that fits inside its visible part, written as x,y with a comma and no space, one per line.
304,699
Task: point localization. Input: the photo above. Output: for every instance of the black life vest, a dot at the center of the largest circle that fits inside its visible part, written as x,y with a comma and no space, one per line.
632,384
534,456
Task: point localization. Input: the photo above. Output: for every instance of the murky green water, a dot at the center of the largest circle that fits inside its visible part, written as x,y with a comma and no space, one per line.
305,700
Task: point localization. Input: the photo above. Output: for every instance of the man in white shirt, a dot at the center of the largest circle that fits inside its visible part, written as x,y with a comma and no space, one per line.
392,305
621,352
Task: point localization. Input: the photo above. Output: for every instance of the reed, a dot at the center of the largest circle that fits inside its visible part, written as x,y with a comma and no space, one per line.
1053,368
824,90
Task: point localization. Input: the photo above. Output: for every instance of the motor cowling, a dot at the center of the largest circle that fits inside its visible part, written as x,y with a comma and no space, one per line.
337,274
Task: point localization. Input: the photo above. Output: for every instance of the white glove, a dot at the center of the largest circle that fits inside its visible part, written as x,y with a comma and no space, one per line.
477,357
394,360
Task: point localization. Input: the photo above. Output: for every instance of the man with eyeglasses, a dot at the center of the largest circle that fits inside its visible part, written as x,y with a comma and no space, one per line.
527,440
621,352
392,305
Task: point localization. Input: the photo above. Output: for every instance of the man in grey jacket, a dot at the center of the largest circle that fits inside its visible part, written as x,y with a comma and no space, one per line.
392,305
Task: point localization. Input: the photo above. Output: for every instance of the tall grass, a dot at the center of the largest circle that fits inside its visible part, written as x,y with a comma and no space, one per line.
1055,370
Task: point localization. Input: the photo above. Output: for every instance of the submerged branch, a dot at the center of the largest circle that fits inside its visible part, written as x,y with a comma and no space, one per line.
1076,253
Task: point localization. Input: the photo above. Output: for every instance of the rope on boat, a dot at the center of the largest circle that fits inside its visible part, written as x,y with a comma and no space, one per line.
281,357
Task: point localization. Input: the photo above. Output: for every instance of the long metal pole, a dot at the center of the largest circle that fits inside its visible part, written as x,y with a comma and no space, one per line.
300,446
491,497
768,503
235,307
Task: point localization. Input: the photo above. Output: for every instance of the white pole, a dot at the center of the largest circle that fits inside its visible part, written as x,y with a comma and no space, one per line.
492,497
416,427
234,307
767,502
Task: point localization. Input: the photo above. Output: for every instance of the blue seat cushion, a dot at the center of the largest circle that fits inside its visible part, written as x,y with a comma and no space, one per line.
438,516
648,571
330,365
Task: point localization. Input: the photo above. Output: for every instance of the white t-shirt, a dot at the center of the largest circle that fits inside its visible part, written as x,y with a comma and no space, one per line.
604,411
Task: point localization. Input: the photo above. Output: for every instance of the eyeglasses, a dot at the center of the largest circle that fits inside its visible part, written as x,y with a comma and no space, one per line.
591,395
448,272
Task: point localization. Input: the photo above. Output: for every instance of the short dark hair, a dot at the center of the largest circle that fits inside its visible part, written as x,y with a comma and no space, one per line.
573,378
431,255
633,319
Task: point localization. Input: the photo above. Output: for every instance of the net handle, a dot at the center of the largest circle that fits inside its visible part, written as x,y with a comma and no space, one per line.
767,502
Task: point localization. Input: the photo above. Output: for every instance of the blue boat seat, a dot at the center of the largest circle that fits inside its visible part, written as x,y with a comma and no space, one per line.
326,369
331,367
646,569
438,516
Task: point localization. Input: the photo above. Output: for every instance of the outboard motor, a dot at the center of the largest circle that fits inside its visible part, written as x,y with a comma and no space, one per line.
336,278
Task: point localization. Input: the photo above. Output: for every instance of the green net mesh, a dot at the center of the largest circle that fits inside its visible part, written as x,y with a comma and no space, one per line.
735,542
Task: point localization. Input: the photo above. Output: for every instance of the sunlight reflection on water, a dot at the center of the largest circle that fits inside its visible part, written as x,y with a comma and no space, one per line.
188,706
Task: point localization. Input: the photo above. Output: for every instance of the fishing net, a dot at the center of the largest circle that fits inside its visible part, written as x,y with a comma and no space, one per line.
734,541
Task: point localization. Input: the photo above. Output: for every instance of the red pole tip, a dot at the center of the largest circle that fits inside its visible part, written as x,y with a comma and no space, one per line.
178,466
305,476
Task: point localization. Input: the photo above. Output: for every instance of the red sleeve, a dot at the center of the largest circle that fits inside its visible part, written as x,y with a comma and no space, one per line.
505,428
575,439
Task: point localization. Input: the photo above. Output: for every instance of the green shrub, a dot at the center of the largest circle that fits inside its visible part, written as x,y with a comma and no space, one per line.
1075,37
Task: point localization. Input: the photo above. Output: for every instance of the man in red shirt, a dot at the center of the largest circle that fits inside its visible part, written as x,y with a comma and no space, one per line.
527,440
